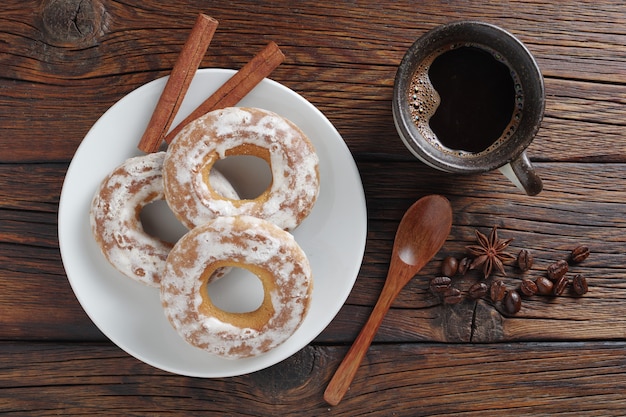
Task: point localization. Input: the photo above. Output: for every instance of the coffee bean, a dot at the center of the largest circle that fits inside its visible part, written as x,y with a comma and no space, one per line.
497,291
528,287
464,265
439,285
449,266
524,260
560,285
579,284
579,254
512,302
557,270
478,290
544,286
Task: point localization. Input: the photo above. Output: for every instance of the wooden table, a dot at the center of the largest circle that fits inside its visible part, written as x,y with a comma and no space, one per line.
64,62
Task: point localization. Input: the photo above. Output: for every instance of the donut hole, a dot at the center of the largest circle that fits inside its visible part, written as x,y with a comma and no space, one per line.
159,222
249,175
240,291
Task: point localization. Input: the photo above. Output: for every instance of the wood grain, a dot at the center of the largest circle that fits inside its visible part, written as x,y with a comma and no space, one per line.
31,256
63,63
410,380
336,68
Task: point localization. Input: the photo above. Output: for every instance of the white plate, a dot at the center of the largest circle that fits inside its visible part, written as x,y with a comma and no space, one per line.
130,314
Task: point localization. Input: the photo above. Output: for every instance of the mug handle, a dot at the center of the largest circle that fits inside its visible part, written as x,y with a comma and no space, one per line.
521,173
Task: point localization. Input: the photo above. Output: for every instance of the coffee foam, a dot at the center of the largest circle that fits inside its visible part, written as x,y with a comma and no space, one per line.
424,100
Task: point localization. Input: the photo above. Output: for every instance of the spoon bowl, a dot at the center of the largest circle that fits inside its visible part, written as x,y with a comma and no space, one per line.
421,233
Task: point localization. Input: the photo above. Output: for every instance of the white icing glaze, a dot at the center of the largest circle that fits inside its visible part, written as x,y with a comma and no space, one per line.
115,220
293,163
245,241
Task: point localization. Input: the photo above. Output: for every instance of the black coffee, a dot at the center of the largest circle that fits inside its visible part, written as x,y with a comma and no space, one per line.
477,96
465,99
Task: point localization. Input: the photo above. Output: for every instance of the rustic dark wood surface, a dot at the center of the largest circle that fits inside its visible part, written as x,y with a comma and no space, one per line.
64,62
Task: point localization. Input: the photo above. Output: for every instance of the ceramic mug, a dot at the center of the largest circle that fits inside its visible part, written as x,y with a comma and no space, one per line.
468,98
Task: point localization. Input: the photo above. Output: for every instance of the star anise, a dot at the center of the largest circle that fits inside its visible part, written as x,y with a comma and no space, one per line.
489,252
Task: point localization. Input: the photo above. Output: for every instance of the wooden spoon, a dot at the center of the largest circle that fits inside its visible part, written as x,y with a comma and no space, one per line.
421,233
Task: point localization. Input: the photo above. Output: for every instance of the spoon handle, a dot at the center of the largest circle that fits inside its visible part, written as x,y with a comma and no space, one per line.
344,375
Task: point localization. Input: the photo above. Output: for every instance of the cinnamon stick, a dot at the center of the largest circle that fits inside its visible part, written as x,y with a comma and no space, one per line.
238,86
177,84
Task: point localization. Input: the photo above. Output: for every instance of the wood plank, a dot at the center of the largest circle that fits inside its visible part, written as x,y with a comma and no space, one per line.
36,300
345,69
60,69
31,187
545,225
576,112
582,203
583,379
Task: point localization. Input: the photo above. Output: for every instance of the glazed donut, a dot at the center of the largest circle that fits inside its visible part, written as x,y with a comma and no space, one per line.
115,217
241,131
247,242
